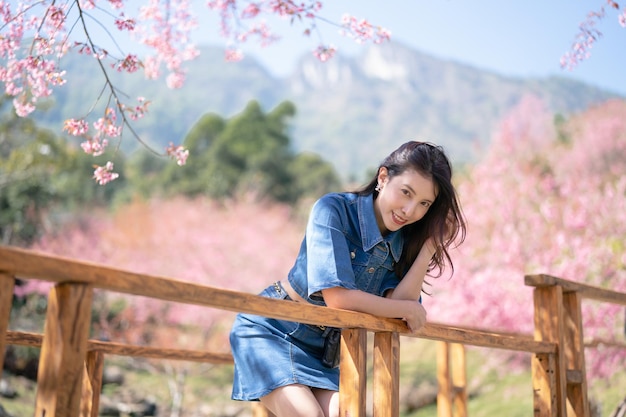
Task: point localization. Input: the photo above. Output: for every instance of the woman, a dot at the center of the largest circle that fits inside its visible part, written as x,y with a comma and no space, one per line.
366,251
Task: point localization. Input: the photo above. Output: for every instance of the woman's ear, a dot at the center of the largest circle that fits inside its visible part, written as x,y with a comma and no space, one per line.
383,176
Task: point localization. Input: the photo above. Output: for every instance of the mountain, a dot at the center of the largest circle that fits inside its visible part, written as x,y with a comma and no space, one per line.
351,110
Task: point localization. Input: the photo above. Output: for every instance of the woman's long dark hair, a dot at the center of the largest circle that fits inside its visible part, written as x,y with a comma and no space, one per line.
444,219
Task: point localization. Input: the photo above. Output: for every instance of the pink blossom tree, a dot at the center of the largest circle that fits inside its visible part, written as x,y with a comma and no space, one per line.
192,240
544,198
36,35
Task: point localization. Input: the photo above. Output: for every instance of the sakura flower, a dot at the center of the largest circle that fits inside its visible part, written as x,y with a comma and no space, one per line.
94,146
104,174
324,53
233,55
178,153
76,127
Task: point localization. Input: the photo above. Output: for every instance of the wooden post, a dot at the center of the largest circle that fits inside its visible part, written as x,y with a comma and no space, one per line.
549,328
353,377
543,369
459,379
92,384
452,379
386,374
63,350
444,401
574,351
7,284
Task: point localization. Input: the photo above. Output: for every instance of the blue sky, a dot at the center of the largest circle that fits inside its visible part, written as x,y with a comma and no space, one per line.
512,38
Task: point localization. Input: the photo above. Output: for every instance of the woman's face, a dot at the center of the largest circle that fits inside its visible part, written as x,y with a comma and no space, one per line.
403,199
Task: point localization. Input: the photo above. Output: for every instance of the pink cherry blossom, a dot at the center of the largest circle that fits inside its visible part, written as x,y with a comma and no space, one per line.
588,34
107,125
138,111
175,79
123,24
233,55
36,34
537,204
178,153
129,64
104,174
362,30
324,53
76,127
94,146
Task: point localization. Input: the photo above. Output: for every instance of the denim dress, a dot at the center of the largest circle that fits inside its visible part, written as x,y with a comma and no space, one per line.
342,247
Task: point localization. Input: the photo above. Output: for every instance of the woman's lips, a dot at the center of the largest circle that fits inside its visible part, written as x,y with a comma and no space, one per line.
397,220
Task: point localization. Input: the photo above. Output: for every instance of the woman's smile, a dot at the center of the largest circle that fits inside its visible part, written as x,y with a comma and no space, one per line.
397,219
403,199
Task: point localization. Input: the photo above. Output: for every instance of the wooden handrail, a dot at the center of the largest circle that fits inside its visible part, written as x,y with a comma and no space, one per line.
121,349
32,265
604,342
557,348
483,338
586,291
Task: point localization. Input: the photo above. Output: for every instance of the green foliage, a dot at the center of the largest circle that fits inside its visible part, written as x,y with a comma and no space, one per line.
44,178
249,154
312,175
41,176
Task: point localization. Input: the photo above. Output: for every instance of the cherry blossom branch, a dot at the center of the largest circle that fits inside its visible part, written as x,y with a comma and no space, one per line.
164,27
307,13
588,35
106,126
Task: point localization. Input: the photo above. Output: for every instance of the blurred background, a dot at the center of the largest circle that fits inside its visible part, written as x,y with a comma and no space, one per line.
540,165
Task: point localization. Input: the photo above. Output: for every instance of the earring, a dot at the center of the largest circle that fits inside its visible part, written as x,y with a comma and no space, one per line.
378,188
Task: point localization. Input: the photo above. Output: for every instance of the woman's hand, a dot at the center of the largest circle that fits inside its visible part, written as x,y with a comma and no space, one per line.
416,317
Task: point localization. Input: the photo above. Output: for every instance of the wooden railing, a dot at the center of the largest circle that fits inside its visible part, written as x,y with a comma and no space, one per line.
70,366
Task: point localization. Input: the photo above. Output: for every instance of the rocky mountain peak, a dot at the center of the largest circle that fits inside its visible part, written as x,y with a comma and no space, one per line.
387,64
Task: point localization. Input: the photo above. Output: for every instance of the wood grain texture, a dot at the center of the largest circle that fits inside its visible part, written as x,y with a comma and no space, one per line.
120,349
574,348
92,384
353,373
63,351
548,303
459,379
543,371
386,383
586,291
7,284
444,394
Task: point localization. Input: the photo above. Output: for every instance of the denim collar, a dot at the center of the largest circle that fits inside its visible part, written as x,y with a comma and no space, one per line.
370,234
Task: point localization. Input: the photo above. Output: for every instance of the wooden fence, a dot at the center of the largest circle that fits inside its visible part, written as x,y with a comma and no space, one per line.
70,366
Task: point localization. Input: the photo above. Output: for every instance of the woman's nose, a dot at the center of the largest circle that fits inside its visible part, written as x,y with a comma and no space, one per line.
408,210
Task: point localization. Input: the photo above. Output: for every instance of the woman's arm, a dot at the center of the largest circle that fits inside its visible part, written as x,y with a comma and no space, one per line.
410,287
356,300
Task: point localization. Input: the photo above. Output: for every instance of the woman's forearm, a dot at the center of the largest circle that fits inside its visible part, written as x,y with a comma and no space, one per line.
410,287
361,301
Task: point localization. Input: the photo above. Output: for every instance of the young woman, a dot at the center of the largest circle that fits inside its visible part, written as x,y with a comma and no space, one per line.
365,251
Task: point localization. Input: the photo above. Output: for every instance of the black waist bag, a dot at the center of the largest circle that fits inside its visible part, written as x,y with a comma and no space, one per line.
332,346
